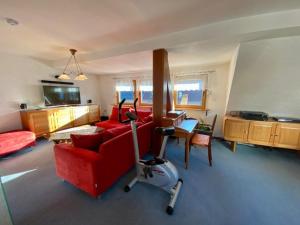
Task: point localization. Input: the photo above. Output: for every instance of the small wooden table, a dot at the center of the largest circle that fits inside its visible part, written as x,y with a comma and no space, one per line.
65,135
185,130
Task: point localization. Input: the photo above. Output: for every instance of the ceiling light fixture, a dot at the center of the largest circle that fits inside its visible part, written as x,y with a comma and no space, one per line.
11,21
80,75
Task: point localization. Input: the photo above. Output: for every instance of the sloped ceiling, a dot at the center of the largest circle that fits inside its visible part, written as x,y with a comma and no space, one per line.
114,36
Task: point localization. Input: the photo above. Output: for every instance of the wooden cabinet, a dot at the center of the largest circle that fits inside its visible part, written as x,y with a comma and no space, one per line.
261,133
80,115
236,130
63,118
94,113
287,135
267,133
39,123
44,121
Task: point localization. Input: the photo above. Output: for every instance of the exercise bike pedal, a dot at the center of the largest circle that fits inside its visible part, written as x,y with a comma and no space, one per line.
127,188
170,210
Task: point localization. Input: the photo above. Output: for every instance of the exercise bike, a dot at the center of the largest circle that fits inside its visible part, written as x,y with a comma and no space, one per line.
158,171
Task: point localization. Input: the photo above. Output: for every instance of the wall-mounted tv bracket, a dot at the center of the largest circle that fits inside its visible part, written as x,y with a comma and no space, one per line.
56,82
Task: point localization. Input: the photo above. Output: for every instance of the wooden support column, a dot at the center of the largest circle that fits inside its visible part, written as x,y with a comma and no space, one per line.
162,96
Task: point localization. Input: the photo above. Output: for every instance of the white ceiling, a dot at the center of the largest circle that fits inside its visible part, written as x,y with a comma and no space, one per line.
114,36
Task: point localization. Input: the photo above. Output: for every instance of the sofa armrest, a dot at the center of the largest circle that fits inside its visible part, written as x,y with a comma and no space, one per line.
81,167
75,152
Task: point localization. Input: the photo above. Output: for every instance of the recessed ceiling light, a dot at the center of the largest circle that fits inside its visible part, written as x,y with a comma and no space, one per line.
11,21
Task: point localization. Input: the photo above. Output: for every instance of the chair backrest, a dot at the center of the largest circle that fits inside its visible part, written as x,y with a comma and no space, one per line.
213,123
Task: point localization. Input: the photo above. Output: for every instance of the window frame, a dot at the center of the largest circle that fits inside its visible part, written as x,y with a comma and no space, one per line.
140,100
134,95
201,106
139,95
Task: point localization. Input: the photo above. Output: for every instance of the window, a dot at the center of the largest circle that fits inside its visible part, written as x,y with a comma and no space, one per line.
146,92
125,89
189,94
128,95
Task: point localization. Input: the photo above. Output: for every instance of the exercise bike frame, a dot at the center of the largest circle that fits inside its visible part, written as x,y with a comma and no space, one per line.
158,171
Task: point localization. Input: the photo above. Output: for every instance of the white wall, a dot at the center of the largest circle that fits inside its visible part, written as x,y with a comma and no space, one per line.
107,93
267,77
20,83
232,67
218,84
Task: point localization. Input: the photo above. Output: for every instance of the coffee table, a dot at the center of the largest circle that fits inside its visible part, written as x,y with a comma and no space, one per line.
65,135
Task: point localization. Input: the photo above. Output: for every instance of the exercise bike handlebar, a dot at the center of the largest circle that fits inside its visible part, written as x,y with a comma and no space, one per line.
131,116
120,110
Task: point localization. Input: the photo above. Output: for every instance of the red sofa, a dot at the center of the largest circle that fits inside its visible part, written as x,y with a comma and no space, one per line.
96,171
14,141
113,121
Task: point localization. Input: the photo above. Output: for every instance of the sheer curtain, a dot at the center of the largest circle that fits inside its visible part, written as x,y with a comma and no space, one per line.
145,85
124,85
188,85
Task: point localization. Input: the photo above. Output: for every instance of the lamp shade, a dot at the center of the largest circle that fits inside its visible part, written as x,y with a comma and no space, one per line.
81,76
64,76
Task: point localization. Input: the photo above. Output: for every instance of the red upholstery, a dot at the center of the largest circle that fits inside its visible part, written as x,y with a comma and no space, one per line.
109,124
124,110
142,113
109,134
115,113
95,172
15,141
113,121
148,118
87,141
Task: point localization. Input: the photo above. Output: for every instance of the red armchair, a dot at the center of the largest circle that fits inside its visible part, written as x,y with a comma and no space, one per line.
95,171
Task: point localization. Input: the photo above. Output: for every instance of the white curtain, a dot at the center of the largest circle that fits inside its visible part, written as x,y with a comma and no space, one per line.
145,85
189,81
124,85
188,85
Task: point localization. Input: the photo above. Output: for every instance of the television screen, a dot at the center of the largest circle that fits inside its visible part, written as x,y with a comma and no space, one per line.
61,95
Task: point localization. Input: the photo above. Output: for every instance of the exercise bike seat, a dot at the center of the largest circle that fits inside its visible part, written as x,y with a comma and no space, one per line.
153,162
165,131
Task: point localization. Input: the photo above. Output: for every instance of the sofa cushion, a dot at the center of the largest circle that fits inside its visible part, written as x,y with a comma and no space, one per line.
115,113
124,110
111,133
142,114
87,141
109,124
148,118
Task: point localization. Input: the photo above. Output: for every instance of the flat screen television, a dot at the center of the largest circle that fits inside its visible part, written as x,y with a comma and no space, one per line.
61,95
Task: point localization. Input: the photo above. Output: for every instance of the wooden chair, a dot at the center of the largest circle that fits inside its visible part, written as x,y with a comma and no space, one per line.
203,138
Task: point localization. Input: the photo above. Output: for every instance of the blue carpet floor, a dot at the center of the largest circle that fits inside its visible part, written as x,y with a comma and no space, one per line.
253,186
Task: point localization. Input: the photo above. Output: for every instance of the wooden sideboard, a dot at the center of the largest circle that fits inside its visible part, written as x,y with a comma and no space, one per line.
266,133
45,121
